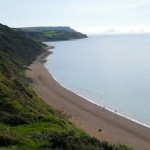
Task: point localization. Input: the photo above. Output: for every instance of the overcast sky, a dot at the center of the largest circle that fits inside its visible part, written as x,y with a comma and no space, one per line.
89,16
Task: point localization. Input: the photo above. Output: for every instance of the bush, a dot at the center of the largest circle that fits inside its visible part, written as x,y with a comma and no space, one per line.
18,119
7,141
67,140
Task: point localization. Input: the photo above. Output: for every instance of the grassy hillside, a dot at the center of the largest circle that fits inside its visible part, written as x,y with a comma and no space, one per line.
18,46
26,121
51,28
51,33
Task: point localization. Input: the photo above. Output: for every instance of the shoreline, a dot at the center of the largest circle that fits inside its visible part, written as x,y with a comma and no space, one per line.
86,115
104,107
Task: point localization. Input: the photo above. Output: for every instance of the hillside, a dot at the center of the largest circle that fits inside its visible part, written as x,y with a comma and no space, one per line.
52,28
26,121
18,46
50,33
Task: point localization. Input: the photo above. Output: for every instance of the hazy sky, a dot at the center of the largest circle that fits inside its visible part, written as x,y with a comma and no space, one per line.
87,16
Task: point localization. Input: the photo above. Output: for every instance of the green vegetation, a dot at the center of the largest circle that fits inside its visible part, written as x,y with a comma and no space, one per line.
50,33
26,121
55,35
18,46
42,29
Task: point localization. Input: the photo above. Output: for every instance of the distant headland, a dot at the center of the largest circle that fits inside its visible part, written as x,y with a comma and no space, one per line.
58,33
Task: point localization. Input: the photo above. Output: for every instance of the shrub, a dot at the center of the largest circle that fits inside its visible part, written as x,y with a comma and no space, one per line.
7,141
100,130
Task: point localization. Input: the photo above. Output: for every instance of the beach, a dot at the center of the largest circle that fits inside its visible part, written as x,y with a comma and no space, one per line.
95,120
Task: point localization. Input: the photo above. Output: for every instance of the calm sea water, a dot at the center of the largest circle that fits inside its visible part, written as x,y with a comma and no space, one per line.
110,70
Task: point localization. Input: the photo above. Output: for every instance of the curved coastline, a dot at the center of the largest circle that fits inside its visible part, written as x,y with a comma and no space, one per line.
87,115
112,111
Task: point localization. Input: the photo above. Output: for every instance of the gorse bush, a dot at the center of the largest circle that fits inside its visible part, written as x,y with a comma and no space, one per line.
69,140
7,138
7,141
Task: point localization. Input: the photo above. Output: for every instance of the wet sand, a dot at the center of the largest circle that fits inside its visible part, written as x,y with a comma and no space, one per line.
95,120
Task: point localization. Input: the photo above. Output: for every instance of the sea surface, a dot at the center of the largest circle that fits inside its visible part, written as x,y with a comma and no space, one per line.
112,71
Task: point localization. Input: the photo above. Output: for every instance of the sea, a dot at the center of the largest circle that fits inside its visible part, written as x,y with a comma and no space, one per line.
110,70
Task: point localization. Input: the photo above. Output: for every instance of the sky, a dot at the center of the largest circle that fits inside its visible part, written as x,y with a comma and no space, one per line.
88,16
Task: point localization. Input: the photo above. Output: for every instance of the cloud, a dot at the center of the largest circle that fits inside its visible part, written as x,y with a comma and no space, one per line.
115,29
95,15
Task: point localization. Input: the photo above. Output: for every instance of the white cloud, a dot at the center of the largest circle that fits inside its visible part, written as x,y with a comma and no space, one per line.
114,29
88,15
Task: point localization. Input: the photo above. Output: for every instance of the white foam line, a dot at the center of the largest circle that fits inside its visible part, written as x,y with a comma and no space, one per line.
110,110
